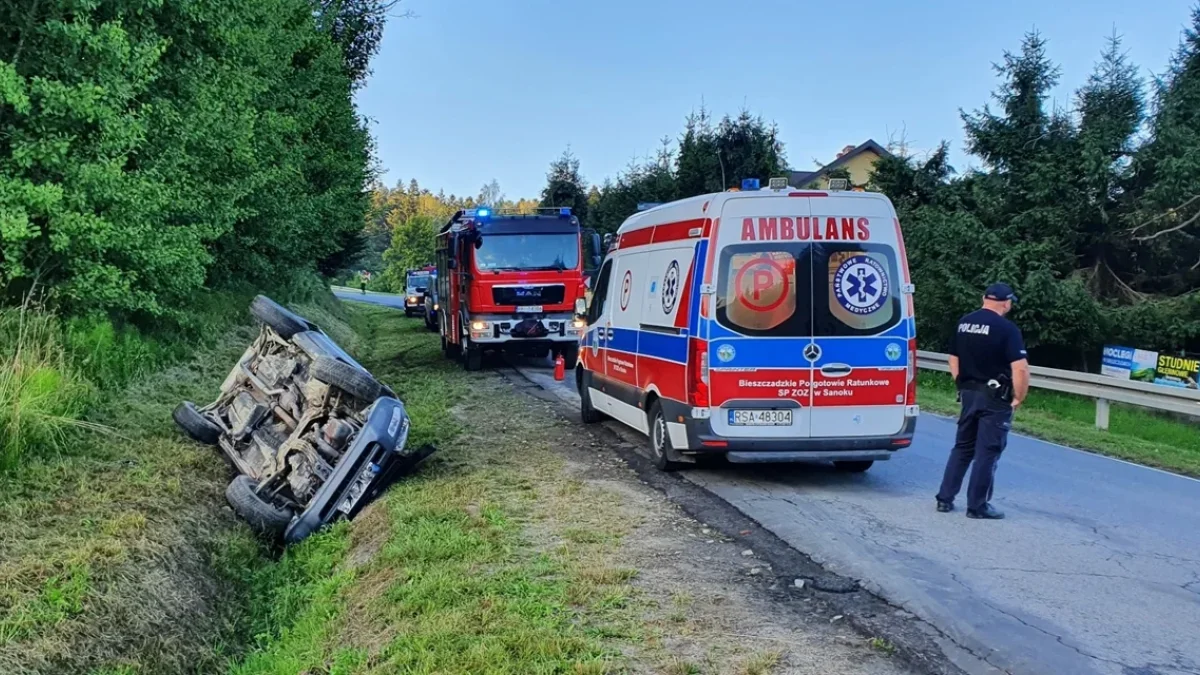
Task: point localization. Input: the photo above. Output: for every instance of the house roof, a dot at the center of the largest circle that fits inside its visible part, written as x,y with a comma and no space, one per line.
802,178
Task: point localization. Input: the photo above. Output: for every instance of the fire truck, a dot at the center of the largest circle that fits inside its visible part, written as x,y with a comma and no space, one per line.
508,281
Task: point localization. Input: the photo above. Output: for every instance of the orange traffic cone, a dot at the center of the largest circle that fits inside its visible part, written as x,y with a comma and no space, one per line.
560,368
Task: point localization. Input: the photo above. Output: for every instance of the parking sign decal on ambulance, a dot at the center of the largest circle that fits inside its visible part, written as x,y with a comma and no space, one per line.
802,308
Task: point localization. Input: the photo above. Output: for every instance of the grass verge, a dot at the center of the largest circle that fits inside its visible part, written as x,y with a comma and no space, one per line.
453,571
1134,434
117,553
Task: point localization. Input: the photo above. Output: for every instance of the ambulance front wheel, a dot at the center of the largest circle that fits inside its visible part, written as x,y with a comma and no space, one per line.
660,440
853,467
589,414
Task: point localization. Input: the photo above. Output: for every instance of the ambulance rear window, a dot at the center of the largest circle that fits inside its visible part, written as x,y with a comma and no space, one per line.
856,289
764,289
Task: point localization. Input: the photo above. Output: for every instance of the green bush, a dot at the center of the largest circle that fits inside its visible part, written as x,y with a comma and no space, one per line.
41,392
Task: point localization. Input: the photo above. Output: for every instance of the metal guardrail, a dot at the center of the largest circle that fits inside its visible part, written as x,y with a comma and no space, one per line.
1103,389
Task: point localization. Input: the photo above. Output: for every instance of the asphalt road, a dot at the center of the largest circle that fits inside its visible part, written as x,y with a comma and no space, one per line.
1096,570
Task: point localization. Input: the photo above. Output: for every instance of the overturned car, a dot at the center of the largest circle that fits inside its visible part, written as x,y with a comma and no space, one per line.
313,435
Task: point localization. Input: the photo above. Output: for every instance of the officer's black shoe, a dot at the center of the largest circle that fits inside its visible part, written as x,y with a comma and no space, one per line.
945,507
987,512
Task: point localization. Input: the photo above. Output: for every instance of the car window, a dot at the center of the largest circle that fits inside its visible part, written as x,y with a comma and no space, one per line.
596,307
855,289
763,289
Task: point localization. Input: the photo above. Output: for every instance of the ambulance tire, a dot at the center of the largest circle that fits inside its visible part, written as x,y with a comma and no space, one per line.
660,440
589,414
853,467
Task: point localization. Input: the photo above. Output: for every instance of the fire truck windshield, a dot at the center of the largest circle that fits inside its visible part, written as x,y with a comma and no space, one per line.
528,252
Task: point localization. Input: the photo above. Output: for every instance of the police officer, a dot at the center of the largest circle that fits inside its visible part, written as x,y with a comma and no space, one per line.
989,366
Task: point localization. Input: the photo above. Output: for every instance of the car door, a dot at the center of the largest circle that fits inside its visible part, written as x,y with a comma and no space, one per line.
860,332
760,341
596,339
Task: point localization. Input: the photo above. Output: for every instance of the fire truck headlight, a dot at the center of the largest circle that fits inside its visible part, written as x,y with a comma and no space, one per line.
577,324
435,306
478,325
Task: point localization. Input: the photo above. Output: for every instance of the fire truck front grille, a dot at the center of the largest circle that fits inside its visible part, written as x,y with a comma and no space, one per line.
528,295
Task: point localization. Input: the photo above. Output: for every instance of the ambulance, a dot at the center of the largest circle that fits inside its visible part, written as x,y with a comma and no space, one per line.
762,325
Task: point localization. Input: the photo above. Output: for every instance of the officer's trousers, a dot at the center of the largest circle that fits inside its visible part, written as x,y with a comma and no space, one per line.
982,435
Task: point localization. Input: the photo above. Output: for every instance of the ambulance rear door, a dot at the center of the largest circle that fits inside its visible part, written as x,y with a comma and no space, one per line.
760,329
862,320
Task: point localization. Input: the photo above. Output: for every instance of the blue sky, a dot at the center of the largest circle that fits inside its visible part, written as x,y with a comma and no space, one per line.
470,90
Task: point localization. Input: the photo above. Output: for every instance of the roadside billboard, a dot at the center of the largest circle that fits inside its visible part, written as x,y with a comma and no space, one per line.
1127,363
1177,371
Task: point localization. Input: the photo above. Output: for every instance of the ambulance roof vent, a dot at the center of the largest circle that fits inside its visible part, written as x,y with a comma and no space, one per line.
778,183
838,184
749,184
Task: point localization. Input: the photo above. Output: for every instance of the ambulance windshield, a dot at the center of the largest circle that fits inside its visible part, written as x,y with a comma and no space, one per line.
528,252
808,289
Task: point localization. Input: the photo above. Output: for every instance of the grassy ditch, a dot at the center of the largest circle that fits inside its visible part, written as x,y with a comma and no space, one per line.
1134,434
442,575
117,554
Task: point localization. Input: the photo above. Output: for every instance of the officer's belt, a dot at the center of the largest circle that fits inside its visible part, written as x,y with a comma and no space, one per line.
974,386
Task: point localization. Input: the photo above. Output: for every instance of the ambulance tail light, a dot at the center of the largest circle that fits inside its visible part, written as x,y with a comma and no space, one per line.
697,373
910,394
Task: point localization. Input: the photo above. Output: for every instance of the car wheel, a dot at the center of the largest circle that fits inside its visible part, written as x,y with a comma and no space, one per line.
354,381
276,317
589,414
196,424
263,516
660,440
853,467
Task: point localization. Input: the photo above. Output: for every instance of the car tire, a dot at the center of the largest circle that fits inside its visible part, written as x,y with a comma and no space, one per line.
196,424
660,440
275,317
354,381
262,516
853,467
588,413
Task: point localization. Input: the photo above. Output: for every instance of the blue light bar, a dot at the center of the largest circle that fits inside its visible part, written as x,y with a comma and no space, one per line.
564,211
749,184
482,213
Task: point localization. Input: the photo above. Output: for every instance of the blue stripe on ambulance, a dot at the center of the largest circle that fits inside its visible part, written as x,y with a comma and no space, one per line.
649,343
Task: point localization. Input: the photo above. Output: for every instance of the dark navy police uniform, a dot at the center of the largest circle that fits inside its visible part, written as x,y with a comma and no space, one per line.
986,345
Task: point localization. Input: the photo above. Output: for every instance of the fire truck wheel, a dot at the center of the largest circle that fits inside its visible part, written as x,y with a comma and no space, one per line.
660,440
472,356
570,355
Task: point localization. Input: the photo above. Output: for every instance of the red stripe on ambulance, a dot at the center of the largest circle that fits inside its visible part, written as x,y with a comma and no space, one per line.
863,386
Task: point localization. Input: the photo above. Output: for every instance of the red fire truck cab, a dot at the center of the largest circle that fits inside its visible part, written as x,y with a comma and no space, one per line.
508,281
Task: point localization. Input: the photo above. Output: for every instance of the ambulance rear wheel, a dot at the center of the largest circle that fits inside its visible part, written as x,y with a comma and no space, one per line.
853,467
660,440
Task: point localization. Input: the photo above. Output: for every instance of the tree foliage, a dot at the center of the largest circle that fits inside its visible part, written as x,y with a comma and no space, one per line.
707,158
151,147
1089,222
565,186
